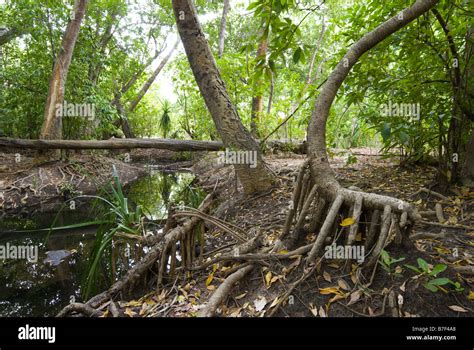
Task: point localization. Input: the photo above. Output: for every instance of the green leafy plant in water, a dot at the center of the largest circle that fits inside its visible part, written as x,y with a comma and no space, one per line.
118,217
433,282
121,219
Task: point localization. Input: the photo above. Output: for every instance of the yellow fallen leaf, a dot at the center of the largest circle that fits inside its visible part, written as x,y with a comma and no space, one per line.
471,295
238,297
129,312
133,303
330,290
274,279
275,301
209,279
442,250
268,278
347,222
283,251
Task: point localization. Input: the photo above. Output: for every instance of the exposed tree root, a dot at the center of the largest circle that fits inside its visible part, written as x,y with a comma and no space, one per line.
82,309
223,291
327,199
430,192
160,249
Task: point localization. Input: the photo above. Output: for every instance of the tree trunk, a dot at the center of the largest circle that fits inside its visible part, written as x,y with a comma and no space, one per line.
467,173
222,29
125,125
449,169
169,144
257,100
396,213
317,125
116,102
223,112
151,79
95,67
270,96
52,124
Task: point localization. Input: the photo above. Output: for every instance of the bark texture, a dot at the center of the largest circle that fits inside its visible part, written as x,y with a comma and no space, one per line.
320,168
212,88
169,144
52,124
222,29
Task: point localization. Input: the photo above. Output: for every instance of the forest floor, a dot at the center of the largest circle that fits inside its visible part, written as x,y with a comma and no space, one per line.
335,289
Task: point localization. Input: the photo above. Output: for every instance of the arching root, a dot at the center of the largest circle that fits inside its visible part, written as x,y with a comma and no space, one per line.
320,206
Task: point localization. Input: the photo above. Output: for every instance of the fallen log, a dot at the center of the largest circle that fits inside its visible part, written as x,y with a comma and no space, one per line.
168,144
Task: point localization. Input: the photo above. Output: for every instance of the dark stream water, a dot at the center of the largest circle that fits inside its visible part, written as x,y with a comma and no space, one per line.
45,286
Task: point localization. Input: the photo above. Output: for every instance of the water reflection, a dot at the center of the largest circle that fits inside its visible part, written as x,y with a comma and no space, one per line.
45,287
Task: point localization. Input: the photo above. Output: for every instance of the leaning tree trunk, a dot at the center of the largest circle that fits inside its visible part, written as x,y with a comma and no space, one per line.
257,99
467,173
222,28
52,124
123,114
317,189
146,86
223,112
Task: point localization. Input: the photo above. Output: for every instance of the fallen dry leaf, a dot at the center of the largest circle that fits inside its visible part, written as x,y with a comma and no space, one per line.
327,276
330,290
347,222
343,285
355,297
457,308
129,312
260,304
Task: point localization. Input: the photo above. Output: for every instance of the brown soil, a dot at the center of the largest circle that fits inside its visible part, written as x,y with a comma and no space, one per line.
27,185
266,213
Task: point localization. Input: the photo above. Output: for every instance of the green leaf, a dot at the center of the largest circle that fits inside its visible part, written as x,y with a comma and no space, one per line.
404,138
439,281
438,269
422,264
413,268
430,287
385,257
253,5
397,260
297,55
386,131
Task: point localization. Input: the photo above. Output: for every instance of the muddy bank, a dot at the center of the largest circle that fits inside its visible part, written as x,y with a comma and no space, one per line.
27,186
